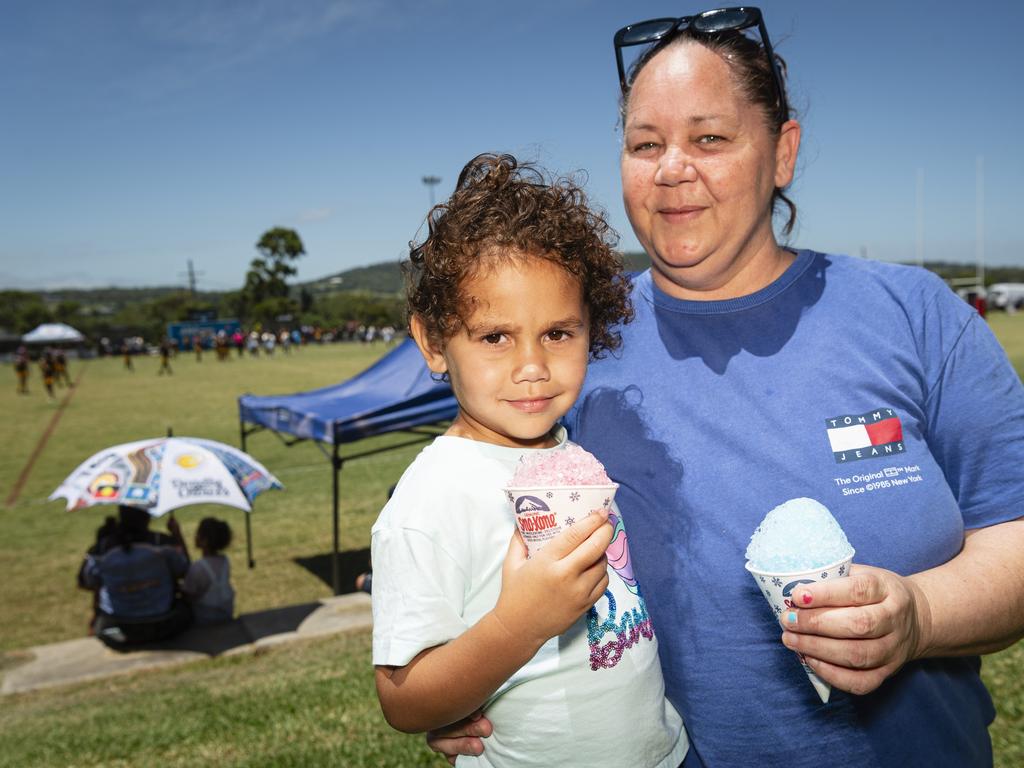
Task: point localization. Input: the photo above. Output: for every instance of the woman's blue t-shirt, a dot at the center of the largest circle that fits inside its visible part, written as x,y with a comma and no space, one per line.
870,387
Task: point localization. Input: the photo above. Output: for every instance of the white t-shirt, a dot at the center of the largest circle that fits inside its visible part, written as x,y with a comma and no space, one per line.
208,583
592,696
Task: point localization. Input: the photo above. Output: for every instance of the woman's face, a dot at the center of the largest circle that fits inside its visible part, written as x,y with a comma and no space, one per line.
699,166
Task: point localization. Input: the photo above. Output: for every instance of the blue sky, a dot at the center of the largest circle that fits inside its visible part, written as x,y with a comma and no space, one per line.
136,136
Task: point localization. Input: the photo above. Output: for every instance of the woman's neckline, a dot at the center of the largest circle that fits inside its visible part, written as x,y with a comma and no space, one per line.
792,273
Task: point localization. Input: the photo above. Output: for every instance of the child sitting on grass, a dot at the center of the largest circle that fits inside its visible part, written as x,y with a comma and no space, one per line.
207,584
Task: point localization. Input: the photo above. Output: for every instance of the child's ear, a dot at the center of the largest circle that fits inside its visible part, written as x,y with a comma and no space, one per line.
430,351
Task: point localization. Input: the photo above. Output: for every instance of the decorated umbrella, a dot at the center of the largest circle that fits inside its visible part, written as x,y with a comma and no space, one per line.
163,474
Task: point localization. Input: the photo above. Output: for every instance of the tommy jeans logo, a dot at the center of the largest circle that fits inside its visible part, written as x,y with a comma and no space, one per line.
865,435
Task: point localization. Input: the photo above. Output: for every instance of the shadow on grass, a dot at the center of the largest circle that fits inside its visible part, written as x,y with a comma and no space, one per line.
216,639
351,564
251,627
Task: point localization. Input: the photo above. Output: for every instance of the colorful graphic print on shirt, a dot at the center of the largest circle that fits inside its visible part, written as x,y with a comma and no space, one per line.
634,624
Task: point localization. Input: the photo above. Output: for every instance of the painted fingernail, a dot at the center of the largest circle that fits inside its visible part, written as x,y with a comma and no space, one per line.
791,617
806,598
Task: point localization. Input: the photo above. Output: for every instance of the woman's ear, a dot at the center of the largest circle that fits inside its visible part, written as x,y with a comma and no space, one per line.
433,354
786,150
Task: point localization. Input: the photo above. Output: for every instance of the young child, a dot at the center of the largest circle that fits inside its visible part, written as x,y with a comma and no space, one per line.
514,289
207,584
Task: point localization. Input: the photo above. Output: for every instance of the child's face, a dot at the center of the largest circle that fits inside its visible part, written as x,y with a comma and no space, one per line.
518,364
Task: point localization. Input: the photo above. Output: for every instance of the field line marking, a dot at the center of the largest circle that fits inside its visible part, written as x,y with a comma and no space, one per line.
43,439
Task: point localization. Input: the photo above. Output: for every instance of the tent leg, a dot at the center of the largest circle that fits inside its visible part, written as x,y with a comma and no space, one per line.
335,562
248,538
241,429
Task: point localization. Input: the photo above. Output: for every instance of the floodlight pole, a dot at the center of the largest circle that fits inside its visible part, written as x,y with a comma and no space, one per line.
431,182
920,217
979,219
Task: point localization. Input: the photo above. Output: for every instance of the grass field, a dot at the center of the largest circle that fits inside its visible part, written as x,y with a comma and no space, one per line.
305,704
43,544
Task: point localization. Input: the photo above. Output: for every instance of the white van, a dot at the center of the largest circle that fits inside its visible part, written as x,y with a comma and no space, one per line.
1006,295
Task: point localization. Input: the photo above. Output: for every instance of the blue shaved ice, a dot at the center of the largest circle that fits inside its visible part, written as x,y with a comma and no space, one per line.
799,535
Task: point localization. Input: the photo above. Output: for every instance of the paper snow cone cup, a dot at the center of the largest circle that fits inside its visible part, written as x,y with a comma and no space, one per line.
778,589
542,513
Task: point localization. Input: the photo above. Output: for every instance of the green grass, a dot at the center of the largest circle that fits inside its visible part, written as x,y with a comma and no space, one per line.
43,544
305,704
1010,331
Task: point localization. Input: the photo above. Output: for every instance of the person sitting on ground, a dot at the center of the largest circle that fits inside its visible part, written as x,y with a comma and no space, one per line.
135,573
109,528
207,584
364,581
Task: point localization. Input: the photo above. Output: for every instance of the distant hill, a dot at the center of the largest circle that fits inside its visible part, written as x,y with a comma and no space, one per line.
117,296
993,274
636,261
384,278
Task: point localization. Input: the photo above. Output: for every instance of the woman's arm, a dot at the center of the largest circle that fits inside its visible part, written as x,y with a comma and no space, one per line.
462,738
856,632
448,682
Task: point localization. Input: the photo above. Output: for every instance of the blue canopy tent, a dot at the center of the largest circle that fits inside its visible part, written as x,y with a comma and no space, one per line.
394,394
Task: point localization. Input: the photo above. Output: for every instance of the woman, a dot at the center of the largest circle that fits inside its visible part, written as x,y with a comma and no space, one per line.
134,572
753,374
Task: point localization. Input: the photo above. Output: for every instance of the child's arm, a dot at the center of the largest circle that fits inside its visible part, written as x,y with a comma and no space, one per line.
179,541
540,599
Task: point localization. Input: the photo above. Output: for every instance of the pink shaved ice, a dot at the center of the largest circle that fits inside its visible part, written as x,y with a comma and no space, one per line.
571,465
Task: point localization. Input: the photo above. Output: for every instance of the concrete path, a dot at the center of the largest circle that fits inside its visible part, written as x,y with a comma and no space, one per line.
74,661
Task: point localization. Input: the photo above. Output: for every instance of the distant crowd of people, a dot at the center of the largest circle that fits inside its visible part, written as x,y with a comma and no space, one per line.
145,586
255,342
52,362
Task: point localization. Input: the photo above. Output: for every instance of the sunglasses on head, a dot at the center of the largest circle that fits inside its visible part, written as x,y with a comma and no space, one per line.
707,23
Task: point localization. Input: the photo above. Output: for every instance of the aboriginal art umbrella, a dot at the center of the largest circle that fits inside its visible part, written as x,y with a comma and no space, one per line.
166,473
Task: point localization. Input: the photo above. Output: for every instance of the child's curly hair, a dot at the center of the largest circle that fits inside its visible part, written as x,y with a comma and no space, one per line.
216,533
500,205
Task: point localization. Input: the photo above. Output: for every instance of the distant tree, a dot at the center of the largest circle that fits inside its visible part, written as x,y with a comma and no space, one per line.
265,293
21,311
365,307
67,310
233,304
